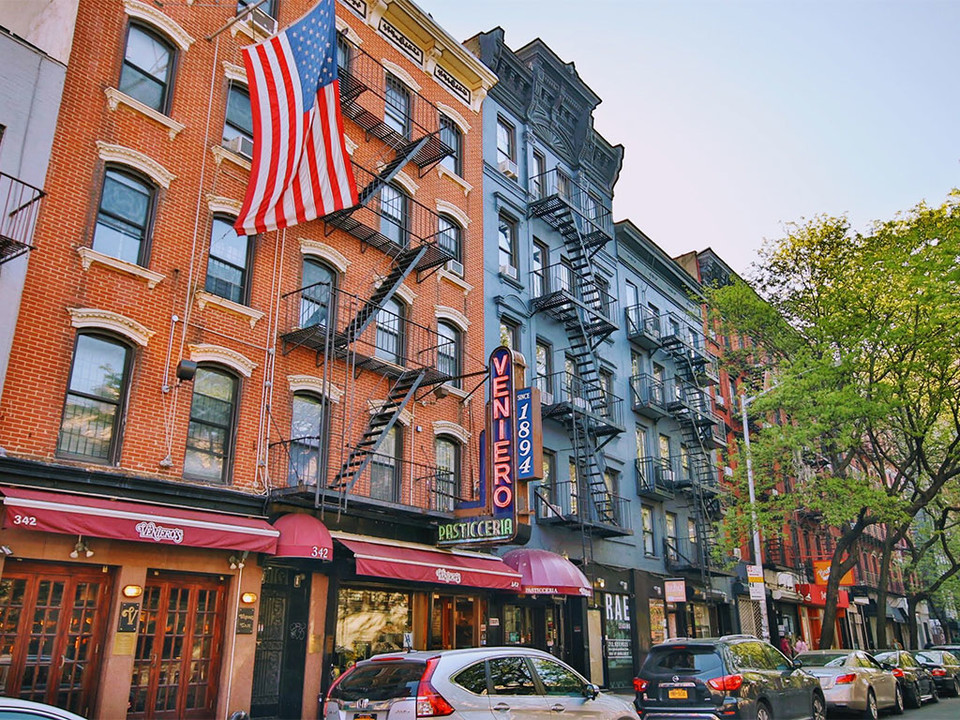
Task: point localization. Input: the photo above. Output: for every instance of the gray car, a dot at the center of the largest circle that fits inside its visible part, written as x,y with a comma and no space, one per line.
498,683
853,681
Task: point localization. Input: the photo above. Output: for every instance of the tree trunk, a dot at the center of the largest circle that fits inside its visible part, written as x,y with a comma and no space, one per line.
912,603
883,582
838,568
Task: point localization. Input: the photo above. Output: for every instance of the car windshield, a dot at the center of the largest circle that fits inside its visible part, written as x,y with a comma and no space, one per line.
930,656
380,681
822,659
683,659
887,657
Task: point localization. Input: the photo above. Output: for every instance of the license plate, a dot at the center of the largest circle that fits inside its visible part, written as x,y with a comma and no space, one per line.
677,694
364,716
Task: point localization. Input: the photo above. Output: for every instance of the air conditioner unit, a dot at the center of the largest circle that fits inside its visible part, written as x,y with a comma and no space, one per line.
509,168
509,271
262,22
454,266
241,146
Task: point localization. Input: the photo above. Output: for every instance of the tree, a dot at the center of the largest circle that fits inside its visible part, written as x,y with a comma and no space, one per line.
859,332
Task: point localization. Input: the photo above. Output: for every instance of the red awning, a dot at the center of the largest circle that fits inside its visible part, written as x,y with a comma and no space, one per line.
545,573
817,595
303,536
421,563
122,520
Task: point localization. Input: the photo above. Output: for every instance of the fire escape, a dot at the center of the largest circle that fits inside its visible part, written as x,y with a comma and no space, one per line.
19,205
569,293
363,333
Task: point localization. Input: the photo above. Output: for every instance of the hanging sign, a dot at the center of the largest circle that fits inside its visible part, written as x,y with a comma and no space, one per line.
675,591
529,435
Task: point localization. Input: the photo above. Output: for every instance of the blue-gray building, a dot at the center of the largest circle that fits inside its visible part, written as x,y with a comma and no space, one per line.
610,328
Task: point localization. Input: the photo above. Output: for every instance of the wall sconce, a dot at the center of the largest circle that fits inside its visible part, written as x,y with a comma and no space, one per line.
248,597
132,591
599,583
623,584
5,550
81,547
238,561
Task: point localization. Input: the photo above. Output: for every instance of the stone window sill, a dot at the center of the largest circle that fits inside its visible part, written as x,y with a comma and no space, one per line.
221,153
204,298
453,279
89,256
116,98
444,171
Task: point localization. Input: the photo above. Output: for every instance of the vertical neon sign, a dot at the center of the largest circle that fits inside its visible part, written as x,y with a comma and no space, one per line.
502,440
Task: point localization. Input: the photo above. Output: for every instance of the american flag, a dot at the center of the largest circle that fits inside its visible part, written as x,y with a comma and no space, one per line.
301,170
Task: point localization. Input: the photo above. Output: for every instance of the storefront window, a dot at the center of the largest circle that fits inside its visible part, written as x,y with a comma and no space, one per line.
618,645
370,622
658,622
701,619
517,625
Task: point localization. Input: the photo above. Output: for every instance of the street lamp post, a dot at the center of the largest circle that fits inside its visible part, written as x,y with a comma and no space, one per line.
758,557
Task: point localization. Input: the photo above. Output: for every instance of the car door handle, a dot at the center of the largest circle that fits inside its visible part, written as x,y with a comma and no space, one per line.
501,707
558,708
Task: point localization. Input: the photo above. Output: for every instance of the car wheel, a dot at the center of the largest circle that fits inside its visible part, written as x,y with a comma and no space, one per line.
934,693
956,687
898,701
870,712
913,696
763,711
820,707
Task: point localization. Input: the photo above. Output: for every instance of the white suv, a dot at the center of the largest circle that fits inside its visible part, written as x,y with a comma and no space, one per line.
470,684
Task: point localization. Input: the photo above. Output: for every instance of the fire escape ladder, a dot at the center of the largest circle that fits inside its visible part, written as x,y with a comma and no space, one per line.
591,469
380,424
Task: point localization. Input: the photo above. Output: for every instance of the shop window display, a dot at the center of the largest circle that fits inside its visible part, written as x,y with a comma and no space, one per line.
370,622
517,625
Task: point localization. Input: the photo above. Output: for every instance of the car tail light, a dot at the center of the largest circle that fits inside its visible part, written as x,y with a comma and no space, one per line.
639,684
938,672
727,683
898,672
430,703
332,687
846,679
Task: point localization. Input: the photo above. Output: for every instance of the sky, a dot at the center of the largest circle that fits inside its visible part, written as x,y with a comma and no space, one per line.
739,117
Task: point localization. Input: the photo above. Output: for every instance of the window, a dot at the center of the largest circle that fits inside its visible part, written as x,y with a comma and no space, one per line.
449,352
308,433
664,446
563,184
606,390
147,70
539,261
397,106
344,52
565,276
633,309
685,462
269,7
506,141
692,532
389,338
537,182
646,516
450,237
448,472
611,478
123,220
573,488
592,205
509,334
508,246
556,679
636,364
604,297
641,436
511,676
452,137
319,284
239,119
544,359
394,211
385,467
671,534
228,266
210,433
654,319
99,377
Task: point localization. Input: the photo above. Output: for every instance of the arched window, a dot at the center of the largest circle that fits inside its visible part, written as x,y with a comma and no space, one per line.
123,219
147,73
385,467
99,380
452,137
319,284
449,352
308,432
450,237
389,338
228,269
448,472
397,106
239,117
394,212
212,424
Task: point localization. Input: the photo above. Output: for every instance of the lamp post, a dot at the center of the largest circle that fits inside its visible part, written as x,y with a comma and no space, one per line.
758,557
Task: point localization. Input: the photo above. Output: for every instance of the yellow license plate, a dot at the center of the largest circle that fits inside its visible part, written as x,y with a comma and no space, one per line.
677,694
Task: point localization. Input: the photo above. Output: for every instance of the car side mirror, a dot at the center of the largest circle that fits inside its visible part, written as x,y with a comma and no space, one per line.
797,663
590,691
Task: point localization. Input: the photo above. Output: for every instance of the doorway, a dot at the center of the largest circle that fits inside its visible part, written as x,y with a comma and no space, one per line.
454,622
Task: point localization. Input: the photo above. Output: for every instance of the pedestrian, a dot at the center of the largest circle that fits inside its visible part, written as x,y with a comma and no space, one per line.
785,646
799,646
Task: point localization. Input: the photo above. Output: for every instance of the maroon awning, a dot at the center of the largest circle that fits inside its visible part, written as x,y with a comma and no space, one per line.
303,536
123,520
429,565
545,573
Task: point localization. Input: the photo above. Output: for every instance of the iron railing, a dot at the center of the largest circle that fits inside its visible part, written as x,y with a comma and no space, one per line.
19,207
655,477
556,185
561,502
564,391
562,280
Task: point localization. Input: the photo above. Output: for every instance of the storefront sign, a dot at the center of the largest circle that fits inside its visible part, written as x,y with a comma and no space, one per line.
675,591
529,435
129,617
617,636
477,530
817,595
821,573
503,450
245,621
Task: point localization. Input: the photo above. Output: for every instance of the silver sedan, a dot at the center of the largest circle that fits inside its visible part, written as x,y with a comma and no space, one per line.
853,681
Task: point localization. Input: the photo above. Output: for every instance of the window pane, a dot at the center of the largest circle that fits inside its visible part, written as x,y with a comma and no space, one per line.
451,136
505,141
448,473
448,237
393,214
388,338
556,679
239,115
448,351
122,219
507,238
511,676
305,429
397,107
227,267
318,284
384,468
211,418
146,68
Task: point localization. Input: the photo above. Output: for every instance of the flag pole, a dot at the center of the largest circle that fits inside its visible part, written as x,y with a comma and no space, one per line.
232,20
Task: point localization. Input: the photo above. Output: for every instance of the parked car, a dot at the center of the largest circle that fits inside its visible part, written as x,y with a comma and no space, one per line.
734,676
518,683
17,709
853,681
915,681
944,666
955,649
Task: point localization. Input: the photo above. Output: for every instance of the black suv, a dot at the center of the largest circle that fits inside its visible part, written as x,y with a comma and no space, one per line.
734,676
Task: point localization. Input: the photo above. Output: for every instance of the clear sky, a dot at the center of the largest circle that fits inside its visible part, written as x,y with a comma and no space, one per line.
738,116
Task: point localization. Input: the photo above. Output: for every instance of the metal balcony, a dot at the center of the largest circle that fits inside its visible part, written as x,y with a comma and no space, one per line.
643,327
363,99
321,319
559,291
655,478
559,201
681,555
560,504
563,395
19,207
648,396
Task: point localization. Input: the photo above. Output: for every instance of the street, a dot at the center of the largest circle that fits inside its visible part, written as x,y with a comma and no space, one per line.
946,709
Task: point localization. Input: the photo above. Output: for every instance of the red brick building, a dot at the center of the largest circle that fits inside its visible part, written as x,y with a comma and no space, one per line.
174,389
